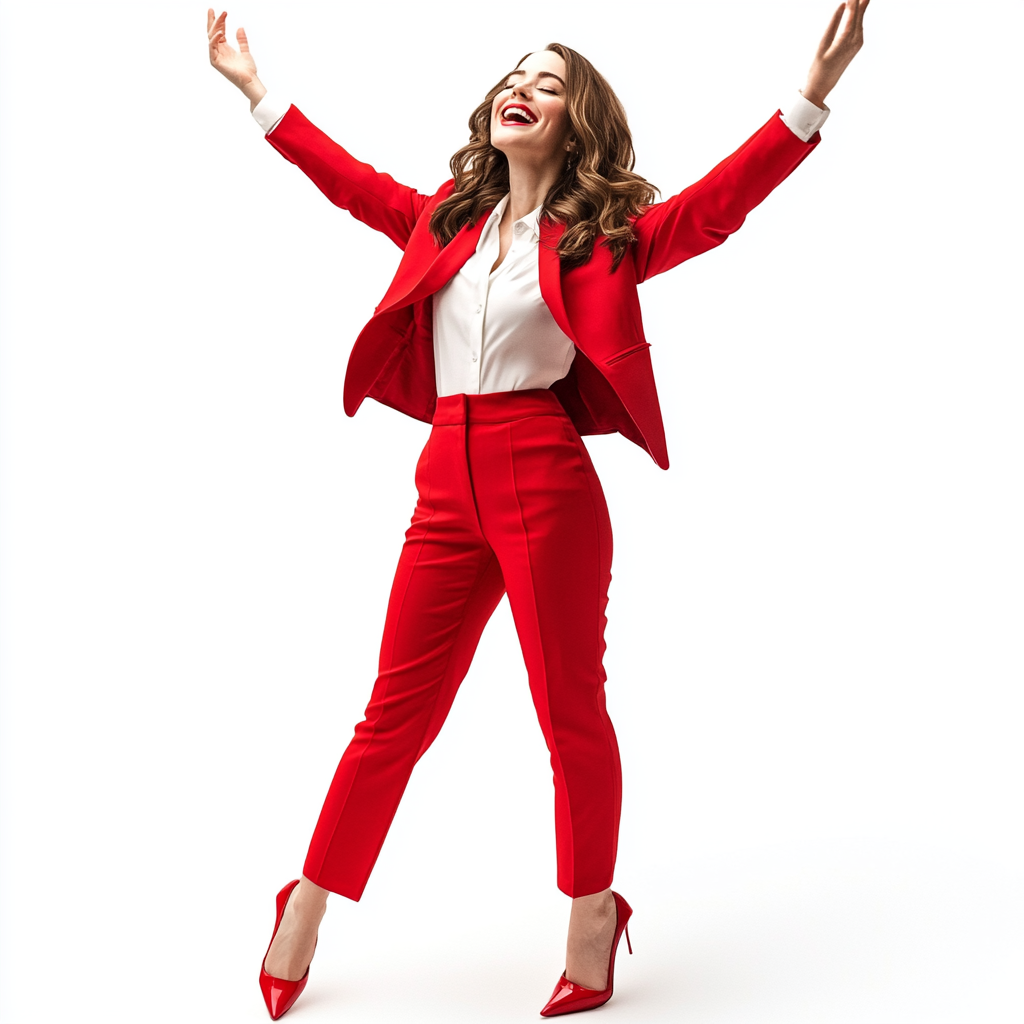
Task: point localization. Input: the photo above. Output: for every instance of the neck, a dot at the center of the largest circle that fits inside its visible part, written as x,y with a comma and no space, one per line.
529,183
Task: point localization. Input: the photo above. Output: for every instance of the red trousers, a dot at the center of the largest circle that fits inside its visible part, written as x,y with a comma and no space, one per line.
508,500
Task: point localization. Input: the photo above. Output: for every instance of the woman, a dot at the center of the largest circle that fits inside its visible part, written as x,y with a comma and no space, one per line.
512,325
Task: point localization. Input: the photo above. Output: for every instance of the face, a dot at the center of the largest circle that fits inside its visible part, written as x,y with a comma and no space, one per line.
529,117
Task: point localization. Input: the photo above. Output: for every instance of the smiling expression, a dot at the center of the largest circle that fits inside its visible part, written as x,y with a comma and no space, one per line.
529,116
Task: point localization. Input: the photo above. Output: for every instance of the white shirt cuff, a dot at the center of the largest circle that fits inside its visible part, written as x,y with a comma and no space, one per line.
804,118
269,111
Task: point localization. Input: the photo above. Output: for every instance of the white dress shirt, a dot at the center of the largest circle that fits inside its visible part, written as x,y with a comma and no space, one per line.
493,331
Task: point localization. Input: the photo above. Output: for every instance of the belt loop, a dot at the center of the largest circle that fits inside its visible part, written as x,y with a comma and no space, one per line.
465,409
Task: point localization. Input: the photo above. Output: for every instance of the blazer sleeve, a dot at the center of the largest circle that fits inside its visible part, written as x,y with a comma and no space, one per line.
370,196
705,214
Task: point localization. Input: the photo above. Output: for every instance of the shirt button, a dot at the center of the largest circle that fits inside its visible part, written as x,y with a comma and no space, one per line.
478,308
474,357
520,228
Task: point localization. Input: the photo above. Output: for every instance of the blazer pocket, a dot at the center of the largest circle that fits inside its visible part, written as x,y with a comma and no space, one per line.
642,347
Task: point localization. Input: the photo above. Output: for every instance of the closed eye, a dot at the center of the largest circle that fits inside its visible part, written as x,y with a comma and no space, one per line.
550,92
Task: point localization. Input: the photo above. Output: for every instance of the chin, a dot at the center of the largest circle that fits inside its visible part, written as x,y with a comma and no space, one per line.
510,144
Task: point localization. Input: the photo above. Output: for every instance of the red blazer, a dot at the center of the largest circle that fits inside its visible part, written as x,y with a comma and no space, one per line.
610,386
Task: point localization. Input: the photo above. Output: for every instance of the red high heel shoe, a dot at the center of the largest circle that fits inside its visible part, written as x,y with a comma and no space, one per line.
569,997
278,993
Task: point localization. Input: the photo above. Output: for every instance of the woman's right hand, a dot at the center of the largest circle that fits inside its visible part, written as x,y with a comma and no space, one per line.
237,66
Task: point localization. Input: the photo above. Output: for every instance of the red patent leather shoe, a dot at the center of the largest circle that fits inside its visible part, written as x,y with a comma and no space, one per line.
278,993
569,997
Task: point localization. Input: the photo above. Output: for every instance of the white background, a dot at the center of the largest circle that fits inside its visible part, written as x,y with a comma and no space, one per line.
815,649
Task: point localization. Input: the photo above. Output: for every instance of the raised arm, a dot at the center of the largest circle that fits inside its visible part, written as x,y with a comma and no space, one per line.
835,51
370,196
705,214
237,66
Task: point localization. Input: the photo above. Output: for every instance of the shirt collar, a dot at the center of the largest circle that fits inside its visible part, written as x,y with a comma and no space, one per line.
531,220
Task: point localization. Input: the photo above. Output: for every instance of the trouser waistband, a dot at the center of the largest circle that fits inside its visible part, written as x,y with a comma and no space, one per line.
498,407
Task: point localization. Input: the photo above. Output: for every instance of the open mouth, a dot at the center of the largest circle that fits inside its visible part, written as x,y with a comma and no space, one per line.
516,113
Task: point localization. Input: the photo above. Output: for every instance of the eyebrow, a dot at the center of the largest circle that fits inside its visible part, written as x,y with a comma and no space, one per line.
540,74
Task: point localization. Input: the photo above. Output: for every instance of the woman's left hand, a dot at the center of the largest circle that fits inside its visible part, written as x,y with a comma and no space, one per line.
836,51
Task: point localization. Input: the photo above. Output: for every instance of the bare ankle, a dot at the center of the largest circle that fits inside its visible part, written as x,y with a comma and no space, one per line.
595,904
311,889
309,899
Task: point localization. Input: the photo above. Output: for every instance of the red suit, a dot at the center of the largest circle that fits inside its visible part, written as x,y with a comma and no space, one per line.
508,498
611,386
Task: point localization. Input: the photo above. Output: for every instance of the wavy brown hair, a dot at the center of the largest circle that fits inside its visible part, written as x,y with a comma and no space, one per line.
597,194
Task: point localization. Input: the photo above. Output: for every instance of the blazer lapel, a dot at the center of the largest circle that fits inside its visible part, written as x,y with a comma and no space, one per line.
443,267
550,272
448,261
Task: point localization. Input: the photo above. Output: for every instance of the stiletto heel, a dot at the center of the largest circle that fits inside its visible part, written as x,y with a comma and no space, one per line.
278,993
569,997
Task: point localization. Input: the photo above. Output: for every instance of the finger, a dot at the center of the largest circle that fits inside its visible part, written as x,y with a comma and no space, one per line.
830,32
851,16
860,15
843,35
851,36
209,19
243,42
